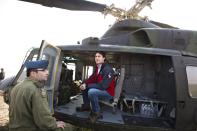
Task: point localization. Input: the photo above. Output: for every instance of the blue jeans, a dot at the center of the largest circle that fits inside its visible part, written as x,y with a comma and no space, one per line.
94,95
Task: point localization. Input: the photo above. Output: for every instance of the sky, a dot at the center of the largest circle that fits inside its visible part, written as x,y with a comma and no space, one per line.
24,25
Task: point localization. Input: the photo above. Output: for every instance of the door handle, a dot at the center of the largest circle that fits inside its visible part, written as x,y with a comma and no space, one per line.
181,104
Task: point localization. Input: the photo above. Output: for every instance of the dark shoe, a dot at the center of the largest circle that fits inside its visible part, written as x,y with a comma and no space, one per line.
94,116
83,108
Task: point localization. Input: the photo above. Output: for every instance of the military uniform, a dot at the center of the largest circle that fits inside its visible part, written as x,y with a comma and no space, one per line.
29,110
2,75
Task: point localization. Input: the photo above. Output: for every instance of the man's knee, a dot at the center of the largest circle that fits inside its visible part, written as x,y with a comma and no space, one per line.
92,93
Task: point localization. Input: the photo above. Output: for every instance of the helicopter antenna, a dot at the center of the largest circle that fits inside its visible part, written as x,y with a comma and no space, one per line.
132,13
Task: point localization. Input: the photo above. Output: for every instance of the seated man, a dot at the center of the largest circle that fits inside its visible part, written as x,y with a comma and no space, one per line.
100,85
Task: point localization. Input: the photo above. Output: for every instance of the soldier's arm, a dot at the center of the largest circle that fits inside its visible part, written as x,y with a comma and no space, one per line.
41,112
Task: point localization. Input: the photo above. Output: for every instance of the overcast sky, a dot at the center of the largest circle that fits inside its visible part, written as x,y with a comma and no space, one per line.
24,25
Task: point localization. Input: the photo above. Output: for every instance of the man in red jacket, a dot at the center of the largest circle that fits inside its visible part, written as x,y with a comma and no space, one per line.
100,85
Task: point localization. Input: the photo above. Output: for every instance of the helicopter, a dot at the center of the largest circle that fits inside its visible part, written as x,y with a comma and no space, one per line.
155,62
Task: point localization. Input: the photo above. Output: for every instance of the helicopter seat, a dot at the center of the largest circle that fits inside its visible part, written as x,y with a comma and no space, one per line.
120,74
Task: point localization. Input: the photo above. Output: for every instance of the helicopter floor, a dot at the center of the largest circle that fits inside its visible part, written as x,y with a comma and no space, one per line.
70,109
68,113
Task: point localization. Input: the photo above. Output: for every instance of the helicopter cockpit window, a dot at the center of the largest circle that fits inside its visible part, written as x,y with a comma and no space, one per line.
35,57
24,72
192,80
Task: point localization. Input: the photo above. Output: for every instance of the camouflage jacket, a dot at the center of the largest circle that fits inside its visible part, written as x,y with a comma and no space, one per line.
29,109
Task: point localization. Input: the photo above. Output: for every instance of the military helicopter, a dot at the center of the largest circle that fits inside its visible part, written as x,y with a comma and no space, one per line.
155,62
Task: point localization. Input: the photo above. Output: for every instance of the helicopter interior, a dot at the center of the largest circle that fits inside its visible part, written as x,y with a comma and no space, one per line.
148,92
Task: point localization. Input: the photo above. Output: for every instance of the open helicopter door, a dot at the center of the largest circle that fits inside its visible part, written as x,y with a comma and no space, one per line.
52,54
47,52
186,84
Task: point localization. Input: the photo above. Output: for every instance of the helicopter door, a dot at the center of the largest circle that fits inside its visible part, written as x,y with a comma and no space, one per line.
186,77
52,54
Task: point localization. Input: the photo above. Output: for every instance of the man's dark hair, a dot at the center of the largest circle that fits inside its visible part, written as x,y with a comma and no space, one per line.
29,71
102,53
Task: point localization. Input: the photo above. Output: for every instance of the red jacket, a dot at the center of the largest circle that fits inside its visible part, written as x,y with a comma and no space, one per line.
104,80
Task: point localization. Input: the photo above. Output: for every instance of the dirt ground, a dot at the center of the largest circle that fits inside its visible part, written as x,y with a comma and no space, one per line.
4,118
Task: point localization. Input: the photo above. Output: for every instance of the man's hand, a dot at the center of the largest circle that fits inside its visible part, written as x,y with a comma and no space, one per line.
83,86
60,124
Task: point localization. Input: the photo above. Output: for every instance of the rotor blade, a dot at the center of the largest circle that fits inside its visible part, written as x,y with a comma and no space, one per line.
81,5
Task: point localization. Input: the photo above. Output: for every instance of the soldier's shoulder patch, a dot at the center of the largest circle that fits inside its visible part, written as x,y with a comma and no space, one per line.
43,92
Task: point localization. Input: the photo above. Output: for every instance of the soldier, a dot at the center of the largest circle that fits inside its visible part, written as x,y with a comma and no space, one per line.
29,109
2,74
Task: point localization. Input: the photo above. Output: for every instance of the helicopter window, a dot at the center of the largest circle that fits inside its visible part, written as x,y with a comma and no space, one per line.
51,60
23,74
89,70
71,66
35,57
192,80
